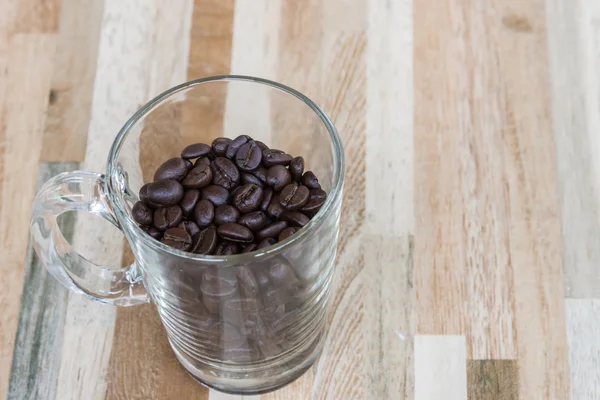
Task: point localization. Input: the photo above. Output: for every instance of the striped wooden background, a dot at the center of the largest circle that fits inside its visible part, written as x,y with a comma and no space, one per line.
469,263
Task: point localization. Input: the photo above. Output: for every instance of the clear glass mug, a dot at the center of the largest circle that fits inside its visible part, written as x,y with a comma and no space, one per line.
247,323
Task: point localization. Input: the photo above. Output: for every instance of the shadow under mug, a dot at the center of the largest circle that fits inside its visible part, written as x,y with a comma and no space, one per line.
247,323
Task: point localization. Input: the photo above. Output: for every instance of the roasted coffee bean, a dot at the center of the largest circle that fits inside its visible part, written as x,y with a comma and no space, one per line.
220,145
196,150
205,242
165,192
261,145
177,238
275,295
248,198
225,214
235,233
278,177
236,305
316,199
282,275
297,168
204,213
261,277
272,157
174,169
266,200
235,145
275,209
287,232
250,248
152,231
271,231
225,173
189,201
254,221
144,193
188,164
261,174
202,161
248,157
310,180
266,243
294,196
190,227
295,218
226,248
167,217
216,194
249,178
198,177
141,213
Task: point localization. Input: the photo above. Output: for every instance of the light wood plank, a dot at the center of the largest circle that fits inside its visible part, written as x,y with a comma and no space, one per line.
69,111
38,341
25,99
584,347
493,380
37,16
574,44
440,368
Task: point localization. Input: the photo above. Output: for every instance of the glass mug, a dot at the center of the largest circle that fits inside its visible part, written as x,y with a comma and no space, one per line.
247,323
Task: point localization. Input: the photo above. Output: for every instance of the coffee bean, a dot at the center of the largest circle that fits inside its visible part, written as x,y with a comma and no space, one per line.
272,157
225,173
167,217
261,174
141,213
297,168
275,209
316,199
188,164
204,213
254,221
144,193
202,161
174,169
220,145
226,248
235,233
310,180
165,192
152,231
278,177
248,157
287,232
242,305
271,231
282,275
235,145
249,178
293,196
295,218
248,198
196,150
261,145
205,242
216,194
225,214
266,200
190,227
177,238
189,201
266,243
198,177
250,248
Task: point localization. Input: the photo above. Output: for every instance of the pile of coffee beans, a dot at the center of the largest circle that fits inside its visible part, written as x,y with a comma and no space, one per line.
234,196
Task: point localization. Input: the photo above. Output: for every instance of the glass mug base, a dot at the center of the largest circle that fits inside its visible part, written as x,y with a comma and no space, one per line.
250,381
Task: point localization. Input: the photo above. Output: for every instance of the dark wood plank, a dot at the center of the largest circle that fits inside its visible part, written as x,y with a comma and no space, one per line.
492,380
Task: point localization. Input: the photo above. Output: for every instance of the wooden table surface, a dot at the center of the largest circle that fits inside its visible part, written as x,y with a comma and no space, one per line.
469,259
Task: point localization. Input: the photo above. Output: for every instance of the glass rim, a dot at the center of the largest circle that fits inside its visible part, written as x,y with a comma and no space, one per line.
332,198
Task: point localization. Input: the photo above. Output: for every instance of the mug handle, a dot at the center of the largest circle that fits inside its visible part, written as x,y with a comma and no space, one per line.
80,191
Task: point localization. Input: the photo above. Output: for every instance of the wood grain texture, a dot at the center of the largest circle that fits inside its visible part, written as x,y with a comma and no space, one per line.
584,347
492,380
25,99
574,44
37,16
440,367
66,132
38,341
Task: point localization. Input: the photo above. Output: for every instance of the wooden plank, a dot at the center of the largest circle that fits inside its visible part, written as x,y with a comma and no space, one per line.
37,16
25,99
38,341
440,368
584,347
574,42
493,380
68,118
463,269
